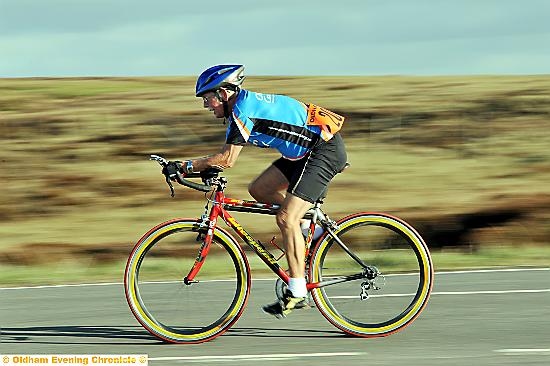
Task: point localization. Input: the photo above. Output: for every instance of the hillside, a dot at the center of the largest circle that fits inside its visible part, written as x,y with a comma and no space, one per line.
465,159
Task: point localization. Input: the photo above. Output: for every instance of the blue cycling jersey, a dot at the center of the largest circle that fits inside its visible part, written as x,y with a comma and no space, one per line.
270,120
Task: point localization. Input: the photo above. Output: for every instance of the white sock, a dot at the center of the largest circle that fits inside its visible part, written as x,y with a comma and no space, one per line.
305,230
298,287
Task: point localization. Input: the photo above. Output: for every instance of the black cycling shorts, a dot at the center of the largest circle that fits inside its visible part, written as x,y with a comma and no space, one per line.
309,177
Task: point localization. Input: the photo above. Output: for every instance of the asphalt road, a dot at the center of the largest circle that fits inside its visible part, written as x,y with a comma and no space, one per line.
473,318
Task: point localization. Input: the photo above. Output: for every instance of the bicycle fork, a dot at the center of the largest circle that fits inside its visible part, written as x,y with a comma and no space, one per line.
206,243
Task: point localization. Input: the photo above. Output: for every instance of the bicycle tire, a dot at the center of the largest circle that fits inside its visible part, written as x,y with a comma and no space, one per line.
172,310
401,256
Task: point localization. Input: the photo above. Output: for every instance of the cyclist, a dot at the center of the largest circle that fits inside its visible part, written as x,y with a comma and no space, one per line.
312,152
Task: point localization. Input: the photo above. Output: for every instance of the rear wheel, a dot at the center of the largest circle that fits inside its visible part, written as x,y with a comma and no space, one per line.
178,312
386,295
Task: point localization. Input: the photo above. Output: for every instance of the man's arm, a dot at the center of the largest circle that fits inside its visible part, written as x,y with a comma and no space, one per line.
226,158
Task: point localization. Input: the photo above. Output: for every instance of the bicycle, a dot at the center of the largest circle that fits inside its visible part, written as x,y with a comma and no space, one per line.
369,274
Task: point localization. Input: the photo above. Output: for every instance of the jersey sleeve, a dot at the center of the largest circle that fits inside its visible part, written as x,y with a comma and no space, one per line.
233,136
238,131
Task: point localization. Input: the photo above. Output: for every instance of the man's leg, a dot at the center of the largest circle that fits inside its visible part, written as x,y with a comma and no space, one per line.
269,187
288,220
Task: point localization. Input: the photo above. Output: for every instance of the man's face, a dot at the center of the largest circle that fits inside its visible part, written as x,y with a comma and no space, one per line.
211,101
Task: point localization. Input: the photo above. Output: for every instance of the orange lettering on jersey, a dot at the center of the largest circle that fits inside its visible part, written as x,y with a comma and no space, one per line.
329,122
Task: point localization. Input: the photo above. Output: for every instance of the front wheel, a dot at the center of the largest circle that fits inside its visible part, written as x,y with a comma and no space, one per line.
385,292
175,311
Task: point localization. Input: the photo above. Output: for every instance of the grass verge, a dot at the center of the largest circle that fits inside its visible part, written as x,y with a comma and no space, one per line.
69,272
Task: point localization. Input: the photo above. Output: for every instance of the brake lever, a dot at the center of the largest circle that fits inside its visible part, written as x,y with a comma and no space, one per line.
169,182
163,162
159,159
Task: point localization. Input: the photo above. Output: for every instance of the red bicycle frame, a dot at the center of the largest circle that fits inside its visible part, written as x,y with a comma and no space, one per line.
220,207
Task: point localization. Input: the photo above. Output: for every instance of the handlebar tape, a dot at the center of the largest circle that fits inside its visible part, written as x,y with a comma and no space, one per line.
199,187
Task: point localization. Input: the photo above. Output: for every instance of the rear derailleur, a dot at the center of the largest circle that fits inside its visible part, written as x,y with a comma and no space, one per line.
371,274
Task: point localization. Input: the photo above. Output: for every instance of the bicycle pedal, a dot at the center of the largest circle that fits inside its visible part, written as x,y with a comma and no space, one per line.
364,295
188,283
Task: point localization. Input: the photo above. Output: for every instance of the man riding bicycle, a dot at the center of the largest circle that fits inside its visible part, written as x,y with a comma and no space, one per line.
312,152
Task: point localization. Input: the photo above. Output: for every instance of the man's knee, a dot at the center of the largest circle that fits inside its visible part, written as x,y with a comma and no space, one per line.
253,190
282,219
286,221
264,191
257,191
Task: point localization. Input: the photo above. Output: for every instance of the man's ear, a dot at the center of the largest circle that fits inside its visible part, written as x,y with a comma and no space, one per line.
225,94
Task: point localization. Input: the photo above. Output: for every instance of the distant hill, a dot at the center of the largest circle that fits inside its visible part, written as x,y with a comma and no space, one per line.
466,159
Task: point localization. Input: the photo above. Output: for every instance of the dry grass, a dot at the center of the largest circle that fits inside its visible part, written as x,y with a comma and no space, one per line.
465,159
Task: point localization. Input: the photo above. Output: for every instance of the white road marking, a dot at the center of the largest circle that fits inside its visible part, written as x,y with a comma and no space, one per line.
260,357
272,279
523,351
488,292
494,270
65,285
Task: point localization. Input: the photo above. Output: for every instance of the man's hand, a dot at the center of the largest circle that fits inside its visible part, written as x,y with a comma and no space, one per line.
172,168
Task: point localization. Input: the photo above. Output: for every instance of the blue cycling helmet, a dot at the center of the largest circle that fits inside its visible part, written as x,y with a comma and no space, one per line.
219,76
